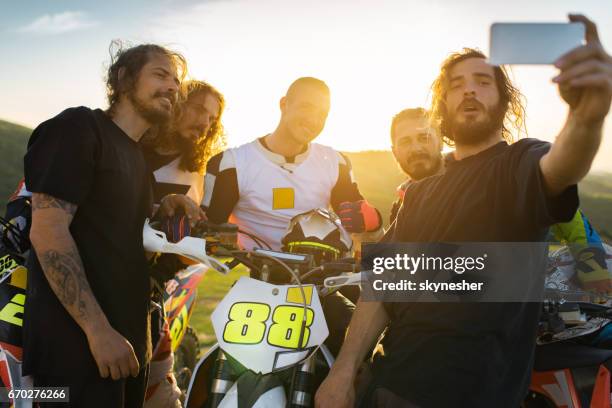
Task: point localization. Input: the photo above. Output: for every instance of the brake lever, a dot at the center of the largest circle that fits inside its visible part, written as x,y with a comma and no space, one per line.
343,280
190,247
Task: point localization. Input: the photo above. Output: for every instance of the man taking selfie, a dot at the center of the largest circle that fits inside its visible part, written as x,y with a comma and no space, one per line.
469,354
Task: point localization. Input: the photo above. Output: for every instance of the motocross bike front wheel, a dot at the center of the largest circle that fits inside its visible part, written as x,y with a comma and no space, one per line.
185,358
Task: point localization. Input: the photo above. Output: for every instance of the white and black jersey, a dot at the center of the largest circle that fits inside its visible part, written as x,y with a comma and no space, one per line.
170,178
262,190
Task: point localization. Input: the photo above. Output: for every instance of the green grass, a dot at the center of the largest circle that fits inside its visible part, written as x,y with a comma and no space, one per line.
213,287
13,141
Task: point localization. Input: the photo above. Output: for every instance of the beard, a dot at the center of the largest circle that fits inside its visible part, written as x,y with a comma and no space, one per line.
149,112
185,145
473,132
430,167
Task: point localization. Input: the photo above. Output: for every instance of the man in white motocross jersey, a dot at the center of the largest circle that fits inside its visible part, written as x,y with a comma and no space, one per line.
261,185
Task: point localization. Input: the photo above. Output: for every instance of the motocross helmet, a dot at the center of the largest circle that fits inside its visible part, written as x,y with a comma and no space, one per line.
317,232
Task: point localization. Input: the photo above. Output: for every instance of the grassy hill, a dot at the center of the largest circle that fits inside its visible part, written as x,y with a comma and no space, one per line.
13,141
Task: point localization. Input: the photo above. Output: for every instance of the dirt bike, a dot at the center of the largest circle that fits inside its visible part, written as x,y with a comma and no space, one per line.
179,297
13,278
572,365
270,329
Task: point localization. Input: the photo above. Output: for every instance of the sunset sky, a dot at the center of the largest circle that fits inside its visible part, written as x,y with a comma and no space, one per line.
377,56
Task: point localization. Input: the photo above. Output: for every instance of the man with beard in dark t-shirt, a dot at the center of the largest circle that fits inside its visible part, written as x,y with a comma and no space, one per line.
86,313
417,149
469,354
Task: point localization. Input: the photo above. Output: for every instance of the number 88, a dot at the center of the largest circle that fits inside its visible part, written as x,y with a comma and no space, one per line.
247,325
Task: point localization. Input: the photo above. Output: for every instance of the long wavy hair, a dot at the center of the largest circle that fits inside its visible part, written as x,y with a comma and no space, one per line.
132,60
510,98
207,145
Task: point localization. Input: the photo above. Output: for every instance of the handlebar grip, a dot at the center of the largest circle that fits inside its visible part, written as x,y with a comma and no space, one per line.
211,226
328,270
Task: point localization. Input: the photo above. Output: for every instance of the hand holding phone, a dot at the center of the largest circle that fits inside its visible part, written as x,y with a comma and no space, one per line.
585,77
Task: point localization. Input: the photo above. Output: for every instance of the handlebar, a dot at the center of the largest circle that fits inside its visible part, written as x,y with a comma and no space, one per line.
319,274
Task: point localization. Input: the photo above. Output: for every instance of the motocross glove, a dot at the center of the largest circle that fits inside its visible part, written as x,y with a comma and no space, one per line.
359,216
165,266
176,227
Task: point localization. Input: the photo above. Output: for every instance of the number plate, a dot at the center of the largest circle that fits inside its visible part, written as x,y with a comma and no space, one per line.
259,324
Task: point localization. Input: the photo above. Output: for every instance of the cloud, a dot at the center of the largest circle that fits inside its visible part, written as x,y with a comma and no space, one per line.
59,23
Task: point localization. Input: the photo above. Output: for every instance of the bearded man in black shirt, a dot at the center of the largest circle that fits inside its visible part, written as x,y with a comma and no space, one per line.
86,314
477,355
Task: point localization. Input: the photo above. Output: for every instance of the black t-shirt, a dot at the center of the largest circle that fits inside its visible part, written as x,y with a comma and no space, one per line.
83,157
470,354
157,160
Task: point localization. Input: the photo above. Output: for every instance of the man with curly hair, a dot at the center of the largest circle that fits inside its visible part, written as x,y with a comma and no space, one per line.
86,322
176,155
177,152
471,354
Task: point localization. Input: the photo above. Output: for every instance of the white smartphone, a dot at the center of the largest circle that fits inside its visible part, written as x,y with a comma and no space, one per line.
532,43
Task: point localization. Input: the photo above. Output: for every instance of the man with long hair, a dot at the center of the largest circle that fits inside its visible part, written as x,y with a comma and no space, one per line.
86,323
176,154
468,354
417,149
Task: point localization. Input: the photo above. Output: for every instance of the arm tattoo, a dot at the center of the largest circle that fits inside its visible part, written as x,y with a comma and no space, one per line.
44,201
60,259
65,273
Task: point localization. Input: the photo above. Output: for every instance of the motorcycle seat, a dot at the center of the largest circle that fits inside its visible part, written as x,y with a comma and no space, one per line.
557,356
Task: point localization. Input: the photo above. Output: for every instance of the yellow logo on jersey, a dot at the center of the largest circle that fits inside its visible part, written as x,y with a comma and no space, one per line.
283,198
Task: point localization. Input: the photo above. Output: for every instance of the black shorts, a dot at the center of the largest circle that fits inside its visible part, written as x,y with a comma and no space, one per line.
95,391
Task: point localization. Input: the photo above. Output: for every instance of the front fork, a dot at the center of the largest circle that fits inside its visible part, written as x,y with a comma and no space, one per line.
300,392
222,380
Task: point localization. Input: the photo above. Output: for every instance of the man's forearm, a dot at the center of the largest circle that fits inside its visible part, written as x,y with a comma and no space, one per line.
571,155
61,263
63,268
59,258
368,322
